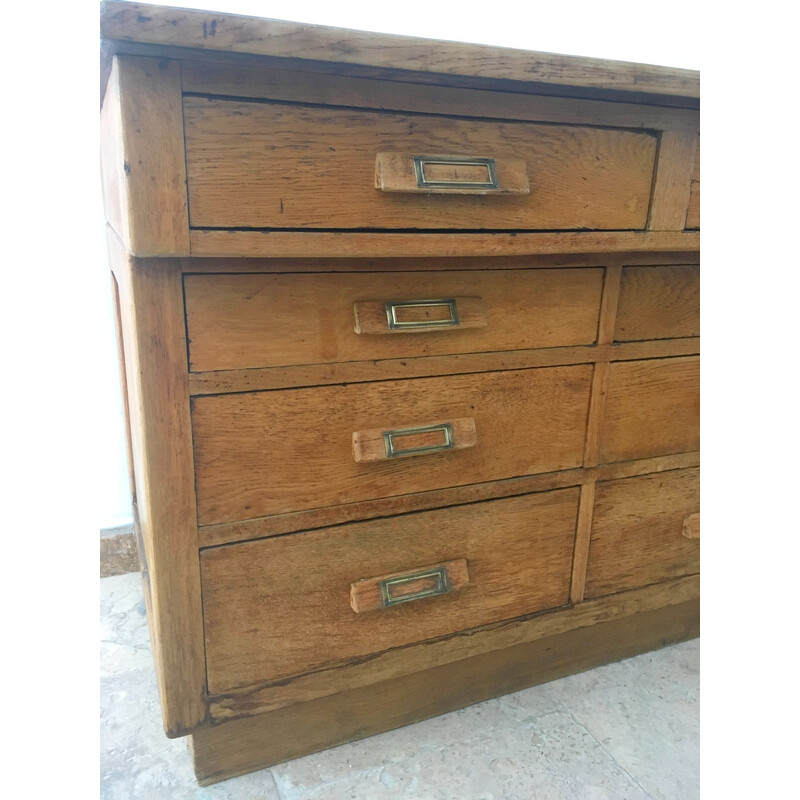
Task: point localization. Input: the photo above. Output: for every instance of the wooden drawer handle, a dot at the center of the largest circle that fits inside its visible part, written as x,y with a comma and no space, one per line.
379,444
386,591
450,174
691,526
419,316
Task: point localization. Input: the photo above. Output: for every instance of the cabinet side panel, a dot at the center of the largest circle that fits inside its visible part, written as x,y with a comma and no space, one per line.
143,162
151,311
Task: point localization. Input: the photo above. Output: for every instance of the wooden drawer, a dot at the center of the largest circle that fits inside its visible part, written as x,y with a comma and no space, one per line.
282,606
257,320
264,453
652,409
270,165
637,534
658,303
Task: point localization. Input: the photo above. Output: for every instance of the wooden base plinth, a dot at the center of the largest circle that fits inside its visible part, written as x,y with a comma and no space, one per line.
244,745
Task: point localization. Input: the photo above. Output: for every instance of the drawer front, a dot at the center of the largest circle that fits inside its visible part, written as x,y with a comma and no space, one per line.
264,453
658,303
282,606
257,320
637,531
268,165
652,409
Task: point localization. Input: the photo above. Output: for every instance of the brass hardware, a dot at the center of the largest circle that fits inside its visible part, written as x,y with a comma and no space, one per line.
395,323
491,181
440,586
393,452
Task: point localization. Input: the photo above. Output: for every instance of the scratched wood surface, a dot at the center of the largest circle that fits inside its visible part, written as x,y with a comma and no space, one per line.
248,321
637,531
282,606
265,453
212,31
269,165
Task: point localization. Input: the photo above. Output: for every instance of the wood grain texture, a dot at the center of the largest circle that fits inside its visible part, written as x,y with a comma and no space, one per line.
457,313
151,306
249,380
671,187
368,594
693,213
401,263
427,655
658,303
243,745
582,538
652,408
228,32
395,172
274,452
691,526
142,156
316,244
265,165
245,321
281,606
414,439
274,83
224,533
608,310
637,531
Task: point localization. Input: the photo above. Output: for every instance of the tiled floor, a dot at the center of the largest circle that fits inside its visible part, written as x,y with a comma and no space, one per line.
628,731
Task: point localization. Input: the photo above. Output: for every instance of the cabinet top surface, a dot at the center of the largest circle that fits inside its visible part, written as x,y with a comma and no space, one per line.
134,27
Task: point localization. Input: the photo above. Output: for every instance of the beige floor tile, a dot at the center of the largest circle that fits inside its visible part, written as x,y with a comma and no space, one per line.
628,730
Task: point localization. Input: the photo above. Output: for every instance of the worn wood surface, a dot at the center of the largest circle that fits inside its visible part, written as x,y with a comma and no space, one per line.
608,310
416,584
265,165
406,438
658,303
582,536
254,379
243,745
402,263
500,636
228,32
281,606
274,83
693,213
691,526
671,187
318,244
245,321
275,452
637,531
652,408
142,157
154,340
223,533
395,172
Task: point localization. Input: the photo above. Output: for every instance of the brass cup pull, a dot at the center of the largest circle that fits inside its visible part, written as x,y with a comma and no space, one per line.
380,444
397,588
450,174
418,316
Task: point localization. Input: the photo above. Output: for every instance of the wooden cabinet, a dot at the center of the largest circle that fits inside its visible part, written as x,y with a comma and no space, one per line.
409,338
